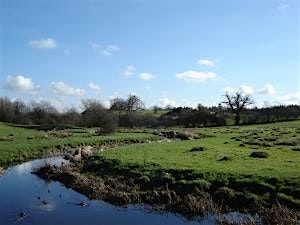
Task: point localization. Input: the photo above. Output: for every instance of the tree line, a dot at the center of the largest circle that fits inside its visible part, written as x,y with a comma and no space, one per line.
131,112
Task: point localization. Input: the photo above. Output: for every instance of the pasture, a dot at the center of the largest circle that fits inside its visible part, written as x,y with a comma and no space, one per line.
19,144
255,161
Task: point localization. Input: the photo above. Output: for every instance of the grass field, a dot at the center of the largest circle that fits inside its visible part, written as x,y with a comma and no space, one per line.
219,161
222,159
18,144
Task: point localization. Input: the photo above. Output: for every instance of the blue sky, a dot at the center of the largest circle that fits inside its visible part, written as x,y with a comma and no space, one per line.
167,52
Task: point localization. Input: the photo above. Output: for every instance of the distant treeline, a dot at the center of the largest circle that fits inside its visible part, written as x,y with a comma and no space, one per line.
130,112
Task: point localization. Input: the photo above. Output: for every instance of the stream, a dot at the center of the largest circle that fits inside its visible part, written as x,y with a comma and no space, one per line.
27,199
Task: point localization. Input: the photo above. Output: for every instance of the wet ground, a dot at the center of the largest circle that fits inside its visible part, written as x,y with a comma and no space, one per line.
27,199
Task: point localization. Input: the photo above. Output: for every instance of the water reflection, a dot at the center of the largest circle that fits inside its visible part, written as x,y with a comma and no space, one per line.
51,203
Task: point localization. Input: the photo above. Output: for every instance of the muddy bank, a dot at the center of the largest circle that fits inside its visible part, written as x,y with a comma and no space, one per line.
121,190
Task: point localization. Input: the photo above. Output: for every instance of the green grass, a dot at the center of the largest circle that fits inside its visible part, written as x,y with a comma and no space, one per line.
218,160
283,162
18,144
280,171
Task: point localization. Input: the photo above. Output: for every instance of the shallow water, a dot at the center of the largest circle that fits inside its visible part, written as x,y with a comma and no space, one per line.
19,192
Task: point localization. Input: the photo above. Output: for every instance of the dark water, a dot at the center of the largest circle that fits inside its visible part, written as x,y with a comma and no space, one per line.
19,192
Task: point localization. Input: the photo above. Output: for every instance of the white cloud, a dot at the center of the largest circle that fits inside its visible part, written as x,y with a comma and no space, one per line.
110,49
230,90
195,76
267,90
94,87
47,43
22,84
105,50
67,52
246,89
243,88
283,6
129,71
164,102
289,99
63,89
146,76
206,62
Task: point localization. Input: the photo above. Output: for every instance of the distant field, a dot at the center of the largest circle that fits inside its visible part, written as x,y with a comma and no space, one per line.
223,154
18,144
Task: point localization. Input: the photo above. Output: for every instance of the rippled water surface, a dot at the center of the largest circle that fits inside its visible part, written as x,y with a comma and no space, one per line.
52,203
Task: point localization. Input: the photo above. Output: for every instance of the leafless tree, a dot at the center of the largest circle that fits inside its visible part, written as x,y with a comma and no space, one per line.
119,105
95,115
134,103
237,102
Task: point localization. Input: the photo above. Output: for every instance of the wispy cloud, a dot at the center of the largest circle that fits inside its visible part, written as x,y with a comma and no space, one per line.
283,6
94,87
195,76
206,62
44,43
21,84
129,71
106,50
146,76
63,89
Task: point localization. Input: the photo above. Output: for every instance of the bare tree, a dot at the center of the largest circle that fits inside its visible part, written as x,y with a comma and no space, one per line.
134,103
95,115
237,102
119,105
43,112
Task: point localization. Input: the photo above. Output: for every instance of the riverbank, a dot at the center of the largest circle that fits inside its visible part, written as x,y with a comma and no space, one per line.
245,165
123,190
226,168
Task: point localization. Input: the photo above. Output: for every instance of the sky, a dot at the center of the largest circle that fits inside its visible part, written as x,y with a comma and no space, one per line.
167,52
